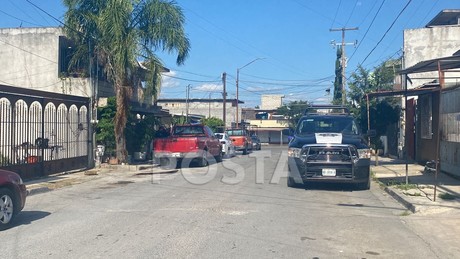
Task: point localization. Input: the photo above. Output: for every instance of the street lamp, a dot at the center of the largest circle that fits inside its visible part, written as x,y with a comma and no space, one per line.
237,79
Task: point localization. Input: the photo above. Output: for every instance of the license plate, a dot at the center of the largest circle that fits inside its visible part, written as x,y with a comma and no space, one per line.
328,172
176,154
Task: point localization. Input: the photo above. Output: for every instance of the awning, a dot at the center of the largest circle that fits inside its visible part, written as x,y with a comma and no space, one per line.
410,92
445,63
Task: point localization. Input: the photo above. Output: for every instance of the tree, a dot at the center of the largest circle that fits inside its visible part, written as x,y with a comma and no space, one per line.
383,111
293,111
337,98
105,134
118,35
214,123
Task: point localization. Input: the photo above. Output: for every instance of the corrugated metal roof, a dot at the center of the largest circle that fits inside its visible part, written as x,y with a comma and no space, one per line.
446,17
445,63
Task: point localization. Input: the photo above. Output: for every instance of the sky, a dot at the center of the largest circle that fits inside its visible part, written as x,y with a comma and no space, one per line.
282,47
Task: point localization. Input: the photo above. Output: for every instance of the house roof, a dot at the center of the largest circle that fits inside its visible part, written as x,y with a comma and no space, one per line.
444,63
425,89
446,17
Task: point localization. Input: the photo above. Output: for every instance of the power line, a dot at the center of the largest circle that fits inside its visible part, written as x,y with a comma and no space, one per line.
352,11
191,80
19,19
368,28
336,12
391,26
290,80
14,46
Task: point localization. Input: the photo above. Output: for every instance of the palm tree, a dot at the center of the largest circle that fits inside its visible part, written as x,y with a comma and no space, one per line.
119,34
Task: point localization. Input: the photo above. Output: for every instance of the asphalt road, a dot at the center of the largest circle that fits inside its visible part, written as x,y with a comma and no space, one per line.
236,213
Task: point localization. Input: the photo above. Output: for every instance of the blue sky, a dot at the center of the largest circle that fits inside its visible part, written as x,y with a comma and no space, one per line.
292,38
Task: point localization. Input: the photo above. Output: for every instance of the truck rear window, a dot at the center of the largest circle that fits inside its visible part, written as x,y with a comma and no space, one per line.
188,130
236,132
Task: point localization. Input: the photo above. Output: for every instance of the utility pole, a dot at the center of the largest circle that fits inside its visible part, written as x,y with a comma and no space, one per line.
209,105
186,103
237,81
343,29
224,96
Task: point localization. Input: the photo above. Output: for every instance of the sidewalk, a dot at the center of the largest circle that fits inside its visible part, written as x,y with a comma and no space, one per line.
419,194
52,182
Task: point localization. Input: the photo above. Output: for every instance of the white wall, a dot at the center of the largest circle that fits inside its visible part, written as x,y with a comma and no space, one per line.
430,43
29,58
213,108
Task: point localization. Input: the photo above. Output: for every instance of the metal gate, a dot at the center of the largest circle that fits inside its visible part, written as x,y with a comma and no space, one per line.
43,133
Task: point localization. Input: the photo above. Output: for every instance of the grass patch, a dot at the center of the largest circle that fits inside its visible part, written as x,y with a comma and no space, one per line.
447,196
415,194
405,187
405,213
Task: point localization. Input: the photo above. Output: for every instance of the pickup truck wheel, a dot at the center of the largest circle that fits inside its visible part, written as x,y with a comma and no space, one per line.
219,157
202,161
245,150
291,183
167,163
365,185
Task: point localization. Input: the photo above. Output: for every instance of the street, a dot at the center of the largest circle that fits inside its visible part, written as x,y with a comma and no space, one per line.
232,214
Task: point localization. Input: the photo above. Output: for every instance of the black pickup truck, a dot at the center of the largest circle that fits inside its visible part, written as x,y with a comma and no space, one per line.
327,146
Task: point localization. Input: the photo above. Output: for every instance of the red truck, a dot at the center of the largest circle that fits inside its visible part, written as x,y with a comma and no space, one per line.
192,142
241,139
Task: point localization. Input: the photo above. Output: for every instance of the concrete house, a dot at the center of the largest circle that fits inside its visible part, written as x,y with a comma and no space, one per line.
47,110
264,121
197,108
38,58
437,46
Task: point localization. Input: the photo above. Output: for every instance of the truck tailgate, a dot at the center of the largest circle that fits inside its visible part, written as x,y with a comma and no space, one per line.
176,144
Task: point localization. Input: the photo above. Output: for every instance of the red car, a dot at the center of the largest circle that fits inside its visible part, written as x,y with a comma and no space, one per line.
13,194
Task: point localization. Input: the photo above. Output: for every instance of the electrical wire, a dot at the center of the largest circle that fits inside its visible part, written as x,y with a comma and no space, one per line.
336,12
386,32
368,28
19,19
352,12
191,80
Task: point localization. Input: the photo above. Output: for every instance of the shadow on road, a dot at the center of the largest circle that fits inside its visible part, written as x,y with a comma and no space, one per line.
27,217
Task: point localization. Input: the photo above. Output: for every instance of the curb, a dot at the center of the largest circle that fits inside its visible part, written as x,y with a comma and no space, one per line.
34,191
39,188
401,200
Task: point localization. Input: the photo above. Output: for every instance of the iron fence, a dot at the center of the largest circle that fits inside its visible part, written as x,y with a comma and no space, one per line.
43,133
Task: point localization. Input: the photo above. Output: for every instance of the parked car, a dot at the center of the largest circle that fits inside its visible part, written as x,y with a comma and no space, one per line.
256,145
241,139
228,149
192,142
13,194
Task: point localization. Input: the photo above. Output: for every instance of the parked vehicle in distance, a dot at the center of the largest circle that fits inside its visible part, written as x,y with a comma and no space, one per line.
193,142
241,139
256,145
228,149
328,147
13,195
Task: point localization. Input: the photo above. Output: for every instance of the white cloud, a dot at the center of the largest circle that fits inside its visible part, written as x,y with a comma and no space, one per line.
167,80
209,88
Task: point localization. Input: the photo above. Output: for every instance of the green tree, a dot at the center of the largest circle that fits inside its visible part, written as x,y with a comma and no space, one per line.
337,98
383,111
117,35
214,123
293,111
105,134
